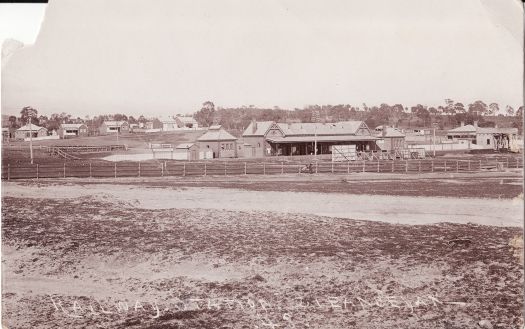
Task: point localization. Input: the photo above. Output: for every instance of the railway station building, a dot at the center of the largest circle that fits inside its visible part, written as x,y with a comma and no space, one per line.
269,138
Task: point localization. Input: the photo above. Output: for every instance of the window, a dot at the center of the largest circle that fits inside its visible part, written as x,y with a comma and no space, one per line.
258,144
488,141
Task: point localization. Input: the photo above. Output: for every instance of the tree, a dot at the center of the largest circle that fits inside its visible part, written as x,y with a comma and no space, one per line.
206,115
509,110
493,109
28,112
13,122
519,112
478,107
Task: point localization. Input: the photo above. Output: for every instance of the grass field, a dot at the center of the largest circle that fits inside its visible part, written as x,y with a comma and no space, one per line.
87,254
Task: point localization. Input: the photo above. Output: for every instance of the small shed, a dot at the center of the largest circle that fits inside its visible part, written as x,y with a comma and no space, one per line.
68,130
33,131
393,139
191,150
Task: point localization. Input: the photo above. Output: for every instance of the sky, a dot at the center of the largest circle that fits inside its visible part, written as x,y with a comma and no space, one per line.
165,57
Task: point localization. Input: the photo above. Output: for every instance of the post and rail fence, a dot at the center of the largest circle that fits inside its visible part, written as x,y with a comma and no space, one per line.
224,168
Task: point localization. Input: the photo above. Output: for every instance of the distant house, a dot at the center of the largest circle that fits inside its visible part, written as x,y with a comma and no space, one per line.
219,141
485,138
178,123
68,130
112,127
186,122
33,131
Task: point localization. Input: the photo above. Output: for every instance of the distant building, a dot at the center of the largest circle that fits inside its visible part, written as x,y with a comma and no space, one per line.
26,132
186,122
68,130
178,123
485,138
219,141
112,127
393,139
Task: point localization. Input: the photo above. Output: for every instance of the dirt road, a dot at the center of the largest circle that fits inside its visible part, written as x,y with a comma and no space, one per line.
390,209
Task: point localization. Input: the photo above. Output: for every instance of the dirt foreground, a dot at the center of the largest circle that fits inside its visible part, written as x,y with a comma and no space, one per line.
78,255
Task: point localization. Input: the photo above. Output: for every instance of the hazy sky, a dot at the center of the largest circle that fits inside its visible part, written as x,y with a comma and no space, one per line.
165,57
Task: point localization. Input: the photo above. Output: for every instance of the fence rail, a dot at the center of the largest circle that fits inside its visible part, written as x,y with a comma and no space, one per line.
215,168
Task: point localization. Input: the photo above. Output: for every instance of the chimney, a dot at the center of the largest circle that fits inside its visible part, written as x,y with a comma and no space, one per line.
383,131
462,123
254,126
476,123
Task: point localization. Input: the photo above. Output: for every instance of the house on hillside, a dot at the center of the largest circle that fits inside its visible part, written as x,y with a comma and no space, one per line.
219,141
112,127
179,123
68,130
30,130
269,138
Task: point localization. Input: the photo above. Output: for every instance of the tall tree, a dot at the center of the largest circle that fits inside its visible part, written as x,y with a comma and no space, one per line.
493,109
28,112
206,115
509,110
478,107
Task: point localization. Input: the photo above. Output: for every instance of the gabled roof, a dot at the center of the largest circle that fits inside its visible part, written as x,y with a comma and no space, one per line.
261,128
305,129
115,123
489,130
33,127
71,125
463,129
186,119
184,146
216,133
393,132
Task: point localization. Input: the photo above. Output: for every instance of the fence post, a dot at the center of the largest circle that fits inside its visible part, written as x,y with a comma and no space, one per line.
184,169
8,172
90,173
364,163
282,167
377,164
507,162
406,166
264,168
115,169
204,168
139,168
480,165
37,171
468,165
445,165
245,171
393,165
457,165
348,167
432,165
225,163
419,167
316,166
517,163
299,168
332,167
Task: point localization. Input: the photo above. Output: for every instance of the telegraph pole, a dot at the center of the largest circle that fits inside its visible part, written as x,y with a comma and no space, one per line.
30,114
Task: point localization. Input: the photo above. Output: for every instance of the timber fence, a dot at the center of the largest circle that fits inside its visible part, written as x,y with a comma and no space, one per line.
224,168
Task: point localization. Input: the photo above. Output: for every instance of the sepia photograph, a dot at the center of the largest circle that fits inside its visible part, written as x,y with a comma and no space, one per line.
271,164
